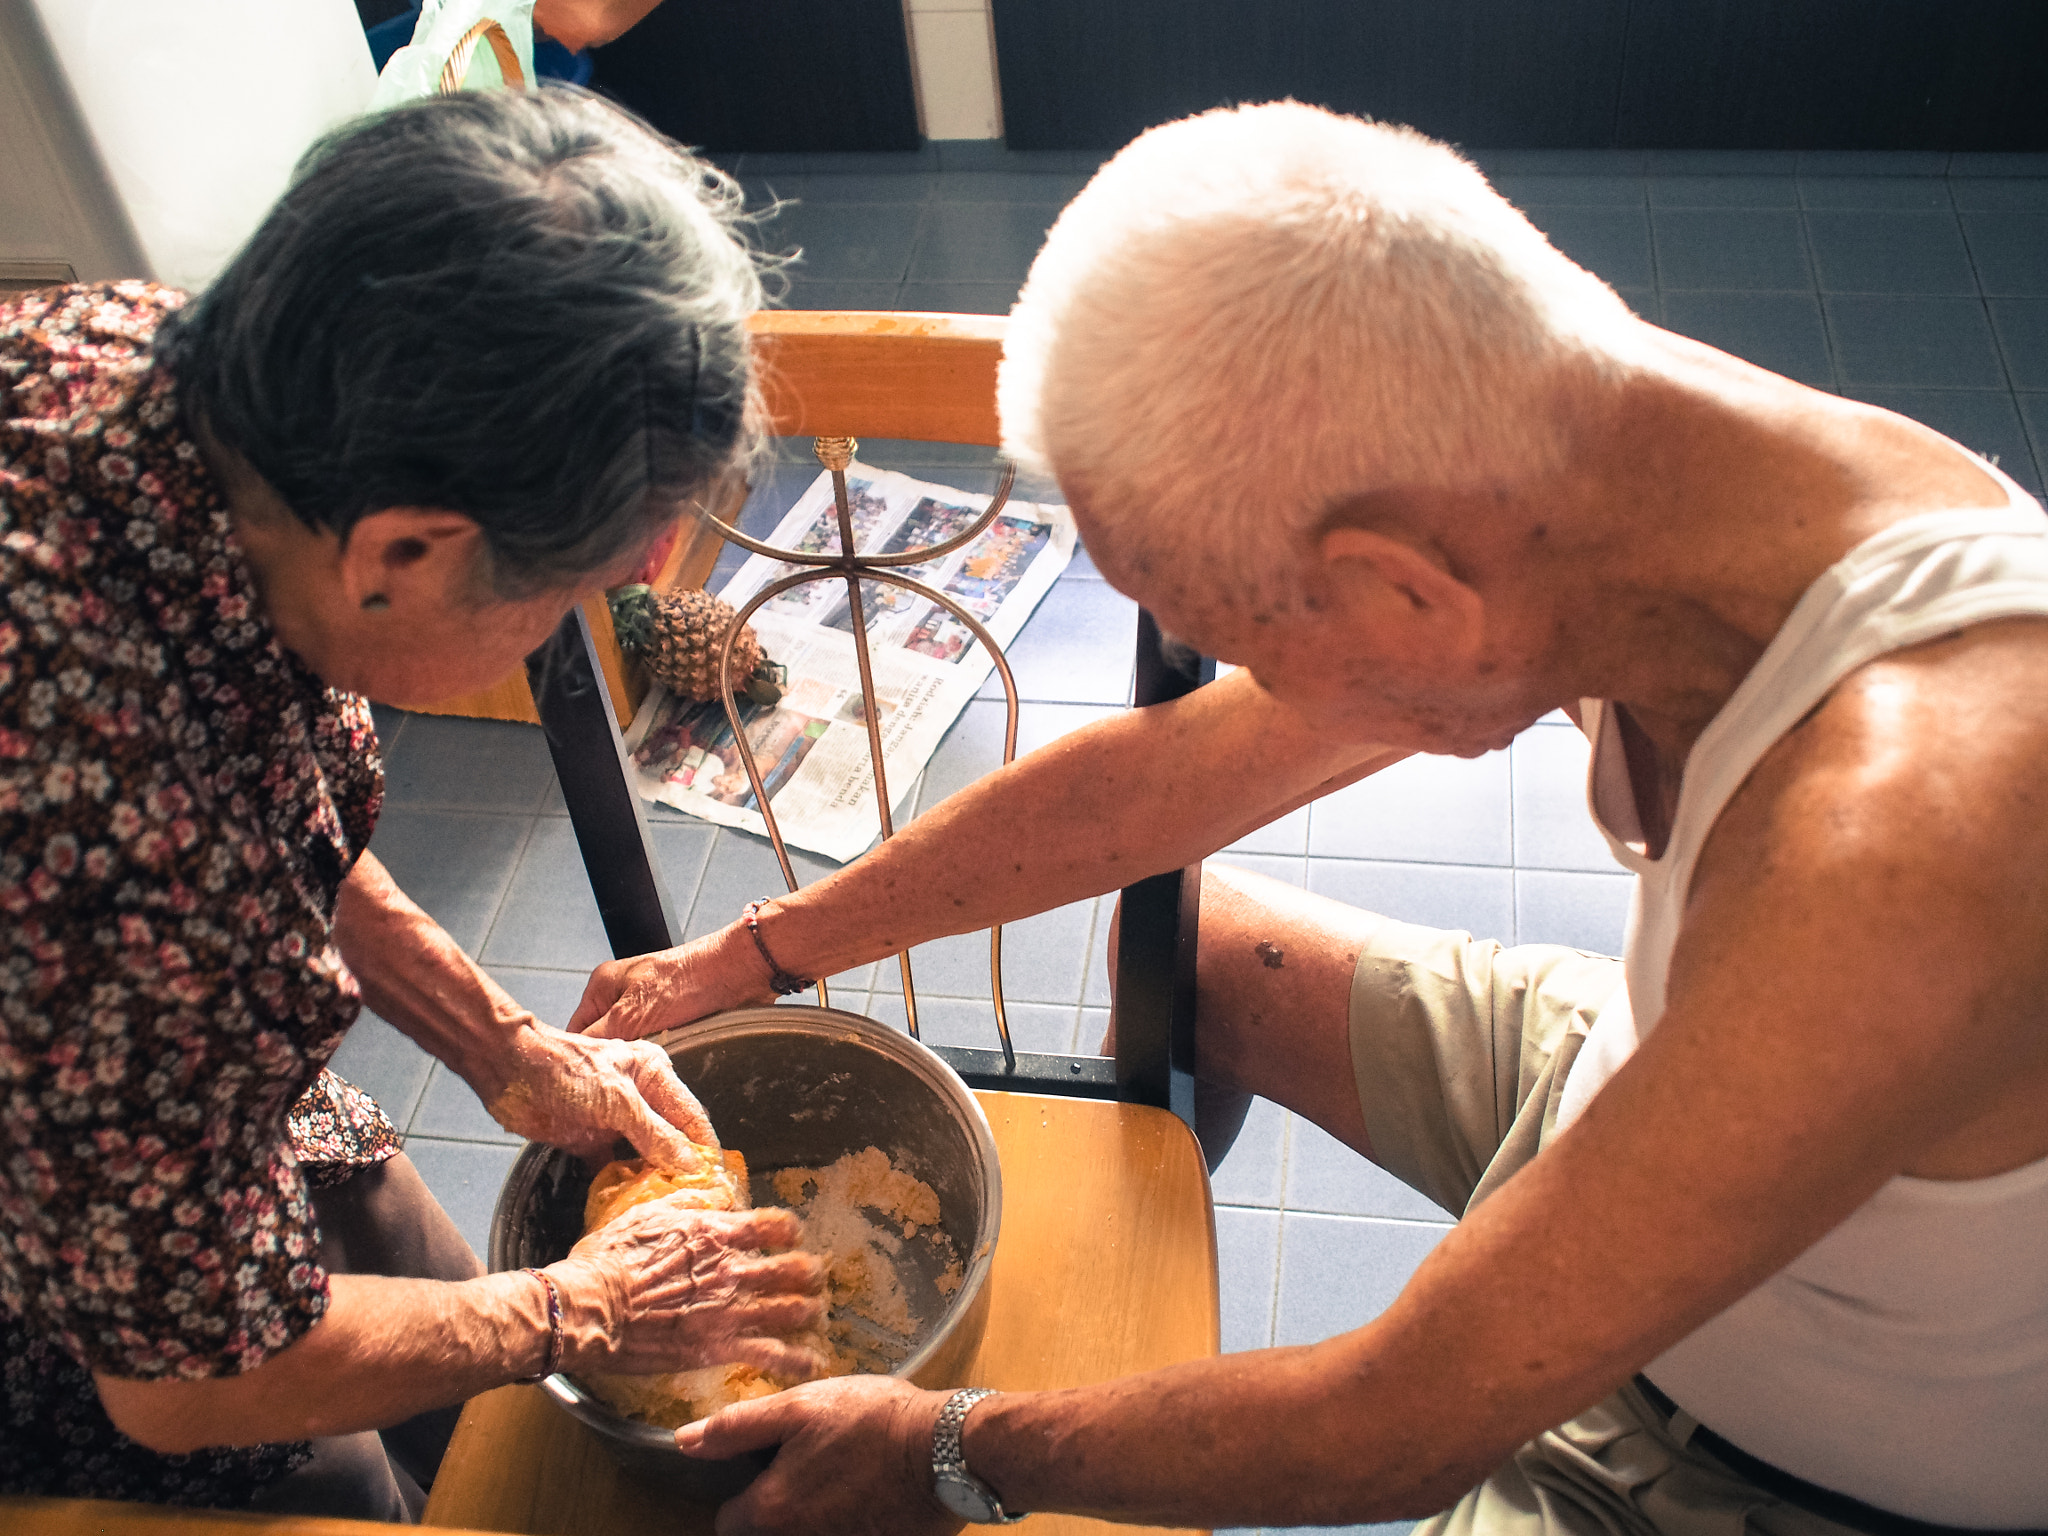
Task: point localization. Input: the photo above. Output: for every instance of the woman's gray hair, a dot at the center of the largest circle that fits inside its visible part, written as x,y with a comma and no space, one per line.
528,308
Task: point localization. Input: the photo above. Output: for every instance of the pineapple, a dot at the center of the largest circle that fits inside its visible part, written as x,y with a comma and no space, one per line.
676,635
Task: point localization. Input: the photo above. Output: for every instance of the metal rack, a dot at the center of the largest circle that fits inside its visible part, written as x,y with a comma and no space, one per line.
1156,951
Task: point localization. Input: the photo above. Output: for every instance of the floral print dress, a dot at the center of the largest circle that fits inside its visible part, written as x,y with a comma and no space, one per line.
180,800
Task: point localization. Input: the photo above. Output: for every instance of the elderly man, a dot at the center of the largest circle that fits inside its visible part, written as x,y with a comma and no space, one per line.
1755,1221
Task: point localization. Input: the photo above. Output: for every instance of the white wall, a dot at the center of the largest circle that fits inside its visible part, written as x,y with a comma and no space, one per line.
56,205
198,109
953,61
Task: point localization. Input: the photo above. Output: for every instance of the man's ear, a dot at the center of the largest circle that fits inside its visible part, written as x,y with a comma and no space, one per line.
410,556
1402,592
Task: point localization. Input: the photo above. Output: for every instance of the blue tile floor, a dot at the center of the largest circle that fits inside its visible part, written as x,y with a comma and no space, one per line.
1916,282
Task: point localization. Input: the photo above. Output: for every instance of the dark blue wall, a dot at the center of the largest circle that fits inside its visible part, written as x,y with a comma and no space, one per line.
1638,74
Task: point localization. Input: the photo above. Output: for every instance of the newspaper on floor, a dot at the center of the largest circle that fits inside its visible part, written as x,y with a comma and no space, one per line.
812,747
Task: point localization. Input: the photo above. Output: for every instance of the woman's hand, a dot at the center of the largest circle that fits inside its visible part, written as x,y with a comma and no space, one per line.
629,999
581,1093
667,1287
577,1093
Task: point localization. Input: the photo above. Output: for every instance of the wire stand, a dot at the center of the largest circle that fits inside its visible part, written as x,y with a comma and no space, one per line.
852,567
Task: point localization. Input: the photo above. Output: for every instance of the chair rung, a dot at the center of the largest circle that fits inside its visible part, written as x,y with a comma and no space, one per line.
1081,1077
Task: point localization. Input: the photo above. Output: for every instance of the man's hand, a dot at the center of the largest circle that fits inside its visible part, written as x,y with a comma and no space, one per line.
581,1094
855,1459
630,999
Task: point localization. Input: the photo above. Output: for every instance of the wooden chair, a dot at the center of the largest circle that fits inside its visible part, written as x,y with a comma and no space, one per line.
1106,1263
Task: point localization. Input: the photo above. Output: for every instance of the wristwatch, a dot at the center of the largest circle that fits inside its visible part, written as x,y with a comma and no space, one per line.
952,1484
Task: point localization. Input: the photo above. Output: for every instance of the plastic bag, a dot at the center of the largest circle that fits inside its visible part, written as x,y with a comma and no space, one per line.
460,45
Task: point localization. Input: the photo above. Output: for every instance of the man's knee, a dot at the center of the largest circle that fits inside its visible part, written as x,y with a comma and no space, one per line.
1218,886
1222,1097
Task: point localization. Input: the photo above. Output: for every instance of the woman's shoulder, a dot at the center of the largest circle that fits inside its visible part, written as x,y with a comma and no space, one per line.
91,437
55,339
78,375
110,313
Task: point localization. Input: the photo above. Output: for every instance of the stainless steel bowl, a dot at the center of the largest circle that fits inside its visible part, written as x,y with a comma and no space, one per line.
789,1087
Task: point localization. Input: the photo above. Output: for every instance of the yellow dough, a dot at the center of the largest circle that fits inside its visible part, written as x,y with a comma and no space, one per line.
719,1183
858,1251
674,1398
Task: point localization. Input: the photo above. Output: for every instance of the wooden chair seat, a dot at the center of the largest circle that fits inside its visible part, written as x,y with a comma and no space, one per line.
1105,1265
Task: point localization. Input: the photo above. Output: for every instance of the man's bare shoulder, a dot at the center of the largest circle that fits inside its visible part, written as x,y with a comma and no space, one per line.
1952,733
1884,874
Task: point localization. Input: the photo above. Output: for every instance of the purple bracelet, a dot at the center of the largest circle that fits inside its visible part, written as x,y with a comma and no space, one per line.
781,982
554,1360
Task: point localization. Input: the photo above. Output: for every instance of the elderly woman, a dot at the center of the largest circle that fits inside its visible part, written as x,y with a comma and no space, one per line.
474,366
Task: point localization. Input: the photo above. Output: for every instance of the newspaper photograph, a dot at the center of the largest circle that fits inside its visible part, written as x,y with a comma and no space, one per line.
812,745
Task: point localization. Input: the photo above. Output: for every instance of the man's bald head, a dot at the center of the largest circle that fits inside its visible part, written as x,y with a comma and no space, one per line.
1254,316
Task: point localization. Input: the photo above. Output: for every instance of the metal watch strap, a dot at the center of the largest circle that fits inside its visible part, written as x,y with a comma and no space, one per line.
949,1459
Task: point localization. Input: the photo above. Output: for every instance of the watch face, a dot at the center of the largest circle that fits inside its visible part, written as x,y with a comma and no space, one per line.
964,1499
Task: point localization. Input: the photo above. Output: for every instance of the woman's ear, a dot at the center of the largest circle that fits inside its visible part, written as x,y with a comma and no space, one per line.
405,558
1402,592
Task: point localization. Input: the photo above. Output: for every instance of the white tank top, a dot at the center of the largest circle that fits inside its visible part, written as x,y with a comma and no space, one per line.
1903,1359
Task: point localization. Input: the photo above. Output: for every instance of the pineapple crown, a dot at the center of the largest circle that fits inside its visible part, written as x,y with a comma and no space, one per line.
633,614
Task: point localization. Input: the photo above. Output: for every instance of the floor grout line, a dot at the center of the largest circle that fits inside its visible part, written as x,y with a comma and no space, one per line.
1280,1230
505,896
420,1100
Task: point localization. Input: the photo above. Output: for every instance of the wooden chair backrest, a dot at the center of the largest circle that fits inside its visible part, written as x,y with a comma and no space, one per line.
858,373
932,377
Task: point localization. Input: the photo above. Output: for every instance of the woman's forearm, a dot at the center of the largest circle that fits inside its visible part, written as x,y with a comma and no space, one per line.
386,1349
580,24
664,1287
572,1091
418,978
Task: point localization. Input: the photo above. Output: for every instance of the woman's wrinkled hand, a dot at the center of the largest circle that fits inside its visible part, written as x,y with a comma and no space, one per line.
630,999
667,1287
853,1457
582,1093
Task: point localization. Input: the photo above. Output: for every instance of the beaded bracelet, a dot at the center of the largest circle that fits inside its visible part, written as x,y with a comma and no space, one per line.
780,981
554,1360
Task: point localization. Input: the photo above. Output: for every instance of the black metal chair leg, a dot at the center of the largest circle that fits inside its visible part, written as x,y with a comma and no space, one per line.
1160,928
597,783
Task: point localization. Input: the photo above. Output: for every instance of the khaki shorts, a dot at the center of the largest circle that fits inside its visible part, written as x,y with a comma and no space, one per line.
1461,1049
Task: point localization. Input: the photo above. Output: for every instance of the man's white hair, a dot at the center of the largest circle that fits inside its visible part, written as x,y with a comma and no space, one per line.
1251,315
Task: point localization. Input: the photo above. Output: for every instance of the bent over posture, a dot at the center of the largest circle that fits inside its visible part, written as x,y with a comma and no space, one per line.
474,365
1755,1222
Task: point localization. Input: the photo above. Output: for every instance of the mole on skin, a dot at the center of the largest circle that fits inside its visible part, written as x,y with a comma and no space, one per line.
1271,953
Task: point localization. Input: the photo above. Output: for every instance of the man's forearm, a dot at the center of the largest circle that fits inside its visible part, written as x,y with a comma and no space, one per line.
1130,796
1276,1436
